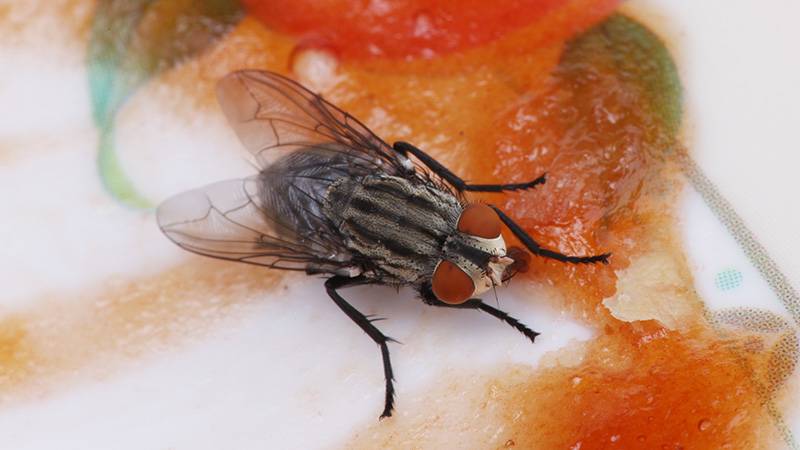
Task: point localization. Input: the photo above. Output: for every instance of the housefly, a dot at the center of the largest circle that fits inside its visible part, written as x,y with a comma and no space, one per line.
332,198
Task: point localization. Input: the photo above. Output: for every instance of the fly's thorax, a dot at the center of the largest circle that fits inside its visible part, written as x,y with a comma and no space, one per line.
398,226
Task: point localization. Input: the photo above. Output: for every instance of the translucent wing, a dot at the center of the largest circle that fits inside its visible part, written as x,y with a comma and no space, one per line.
273,114
233,220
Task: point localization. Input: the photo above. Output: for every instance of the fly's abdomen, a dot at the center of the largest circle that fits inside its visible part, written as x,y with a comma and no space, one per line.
396,225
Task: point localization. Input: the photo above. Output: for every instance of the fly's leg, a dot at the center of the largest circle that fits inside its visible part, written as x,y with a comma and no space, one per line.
537,250
476,303
336,282
404,148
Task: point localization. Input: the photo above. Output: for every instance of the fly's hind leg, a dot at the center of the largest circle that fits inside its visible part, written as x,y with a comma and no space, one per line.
404,148
337,282
476,303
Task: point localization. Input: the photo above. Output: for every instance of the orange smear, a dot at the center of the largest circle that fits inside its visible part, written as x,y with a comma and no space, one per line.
674,392
420,28
94,333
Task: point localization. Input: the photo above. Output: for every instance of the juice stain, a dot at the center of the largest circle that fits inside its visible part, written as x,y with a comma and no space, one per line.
603,138
78,337
422,29
677,391
603,125
660,375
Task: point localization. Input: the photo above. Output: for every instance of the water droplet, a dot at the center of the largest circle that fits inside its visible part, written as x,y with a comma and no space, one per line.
615,438
576,381
314,67
509,443
423,26
704,424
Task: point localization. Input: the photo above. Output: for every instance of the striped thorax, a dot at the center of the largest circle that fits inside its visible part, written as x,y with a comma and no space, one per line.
409,232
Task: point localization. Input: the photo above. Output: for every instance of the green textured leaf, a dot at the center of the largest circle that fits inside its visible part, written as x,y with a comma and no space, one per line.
638,57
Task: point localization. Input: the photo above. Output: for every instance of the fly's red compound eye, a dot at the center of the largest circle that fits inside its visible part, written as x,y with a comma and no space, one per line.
479,220
451,284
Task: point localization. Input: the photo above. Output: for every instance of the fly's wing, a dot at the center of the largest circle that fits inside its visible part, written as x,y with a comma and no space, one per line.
228,220
275,219
273,115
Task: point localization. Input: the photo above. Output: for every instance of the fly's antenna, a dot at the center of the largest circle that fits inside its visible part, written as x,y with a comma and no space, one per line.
496,300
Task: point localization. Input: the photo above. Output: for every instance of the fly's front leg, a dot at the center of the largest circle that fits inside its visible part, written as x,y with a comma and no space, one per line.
404,148
537,250
476,303
336,282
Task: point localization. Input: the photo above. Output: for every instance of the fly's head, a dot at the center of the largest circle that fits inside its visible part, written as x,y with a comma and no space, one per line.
475,257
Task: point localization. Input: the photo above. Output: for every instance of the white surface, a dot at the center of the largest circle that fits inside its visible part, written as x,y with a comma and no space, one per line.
280,370
41,95
711,251
739,65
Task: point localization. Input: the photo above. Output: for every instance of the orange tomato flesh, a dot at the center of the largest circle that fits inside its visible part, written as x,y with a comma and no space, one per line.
399,29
